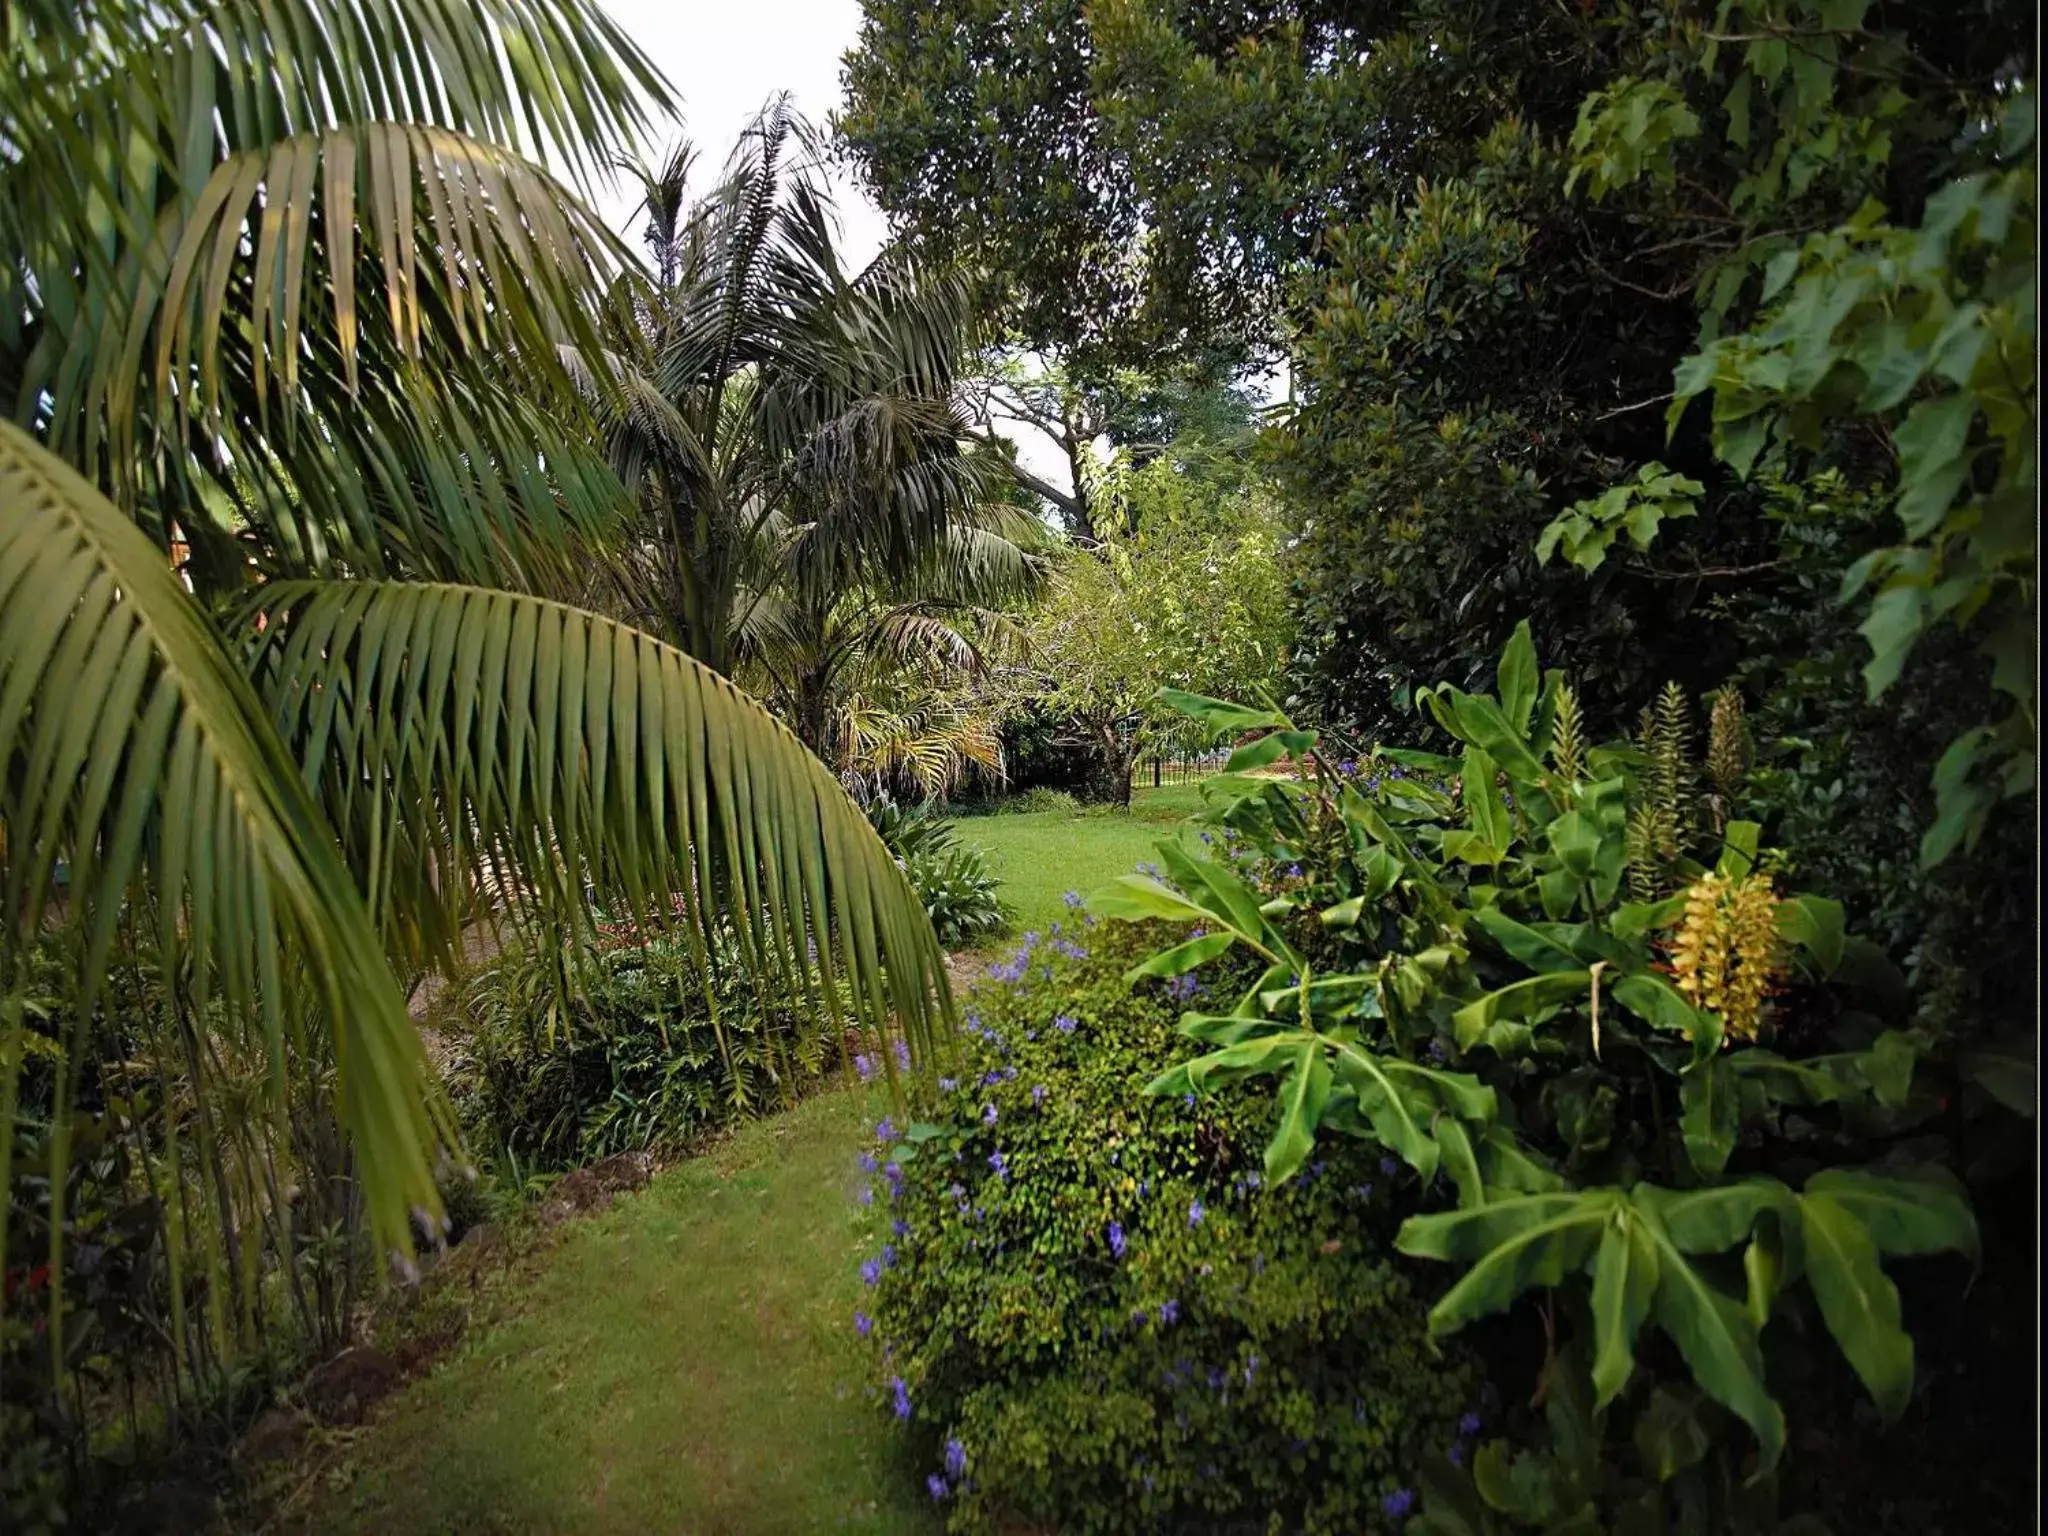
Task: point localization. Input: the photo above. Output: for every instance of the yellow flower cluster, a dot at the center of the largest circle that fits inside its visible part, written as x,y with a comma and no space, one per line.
1728,955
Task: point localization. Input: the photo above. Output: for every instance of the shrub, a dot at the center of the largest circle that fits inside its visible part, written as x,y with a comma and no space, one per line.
959,894
1091,1315
579,1053
952,879
1037,801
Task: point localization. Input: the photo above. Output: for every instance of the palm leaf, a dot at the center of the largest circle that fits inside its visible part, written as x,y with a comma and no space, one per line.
451,725
134,749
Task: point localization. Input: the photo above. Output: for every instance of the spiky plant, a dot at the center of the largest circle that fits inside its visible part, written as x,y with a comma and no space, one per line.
1567,745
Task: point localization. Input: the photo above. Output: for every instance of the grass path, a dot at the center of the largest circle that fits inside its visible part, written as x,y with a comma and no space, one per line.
684,1363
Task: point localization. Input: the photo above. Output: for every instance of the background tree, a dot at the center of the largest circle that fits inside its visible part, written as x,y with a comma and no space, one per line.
757,389
1193,599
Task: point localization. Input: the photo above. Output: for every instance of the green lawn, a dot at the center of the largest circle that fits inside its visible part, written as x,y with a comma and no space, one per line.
684,1362
1041,856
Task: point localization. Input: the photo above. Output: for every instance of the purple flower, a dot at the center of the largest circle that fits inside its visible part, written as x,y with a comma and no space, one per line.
956,1459
1195,1213
1001,1165
900,1227
888,1256
1064,1024
937,1485
988,1114
901,1050
1250,1367
1456,1454
863,1324
885,1130
1188,1099
1398,1503
1169,1313
902,1396
866,1195
1437,1053
870,1271
868,1163
1116,1239
865,1067
948,1084
1038,1093
1470,1425
1072,899
1294,871
1389,1167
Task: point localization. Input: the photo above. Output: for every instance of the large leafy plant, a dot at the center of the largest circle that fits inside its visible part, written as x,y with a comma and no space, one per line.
1558,982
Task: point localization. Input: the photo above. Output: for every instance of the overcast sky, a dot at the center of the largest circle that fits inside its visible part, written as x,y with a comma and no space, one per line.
726,59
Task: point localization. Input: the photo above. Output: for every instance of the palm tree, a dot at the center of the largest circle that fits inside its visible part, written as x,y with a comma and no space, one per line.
295,484
758,393
819,635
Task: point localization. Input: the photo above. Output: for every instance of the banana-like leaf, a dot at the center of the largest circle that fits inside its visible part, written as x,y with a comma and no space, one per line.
1860,1304
134,748
1519,1003
1624,1282
572,749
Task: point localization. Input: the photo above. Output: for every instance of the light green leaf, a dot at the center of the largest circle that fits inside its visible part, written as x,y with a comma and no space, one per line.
1519,1003
1302,1097
1860,1305
1711,1115
1516,679
1182,958
1624,1281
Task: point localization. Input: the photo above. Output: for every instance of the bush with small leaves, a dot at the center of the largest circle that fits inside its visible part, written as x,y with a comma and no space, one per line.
1091,1316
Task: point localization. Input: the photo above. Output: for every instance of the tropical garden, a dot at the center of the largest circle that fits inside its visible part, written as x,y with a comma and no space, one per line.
1319,816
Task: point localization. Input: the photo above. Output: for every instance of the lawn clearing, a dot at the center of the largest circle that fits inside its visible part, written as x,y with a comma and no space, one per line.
1042,855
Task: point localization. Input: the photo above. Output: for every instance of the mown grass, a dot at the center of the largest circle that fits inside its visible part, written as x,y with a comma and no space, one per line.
683,1362
1042,855
686,1361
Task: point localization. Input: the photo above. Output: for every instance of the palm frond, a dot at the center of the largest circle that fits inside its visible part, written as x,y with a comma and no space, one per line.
132,748
450,726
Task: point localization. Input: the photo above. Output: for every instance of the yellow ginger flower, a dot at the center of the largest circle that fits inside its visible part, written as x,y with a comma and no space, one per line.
1727,955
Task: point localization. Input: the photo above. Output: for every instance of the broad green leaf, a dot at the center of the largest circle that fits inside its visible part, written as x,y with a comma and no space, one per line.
1140,898
1711,1115
1816,925
1483,805
1917,1213
1229,1028
1516,679
1888,1067
1380,1101
1634,919
1511,1245
1712,1220
1263,753
1576,842
1507,1165
1539,951
1662,1006
1860,1304
1719,1344
1182,958
1459,1159
1519,1003
1624,1281
1738,850
1669,1436
1457,1093
1480,723
1302,1097
1782,1081
1219,715
2006,1070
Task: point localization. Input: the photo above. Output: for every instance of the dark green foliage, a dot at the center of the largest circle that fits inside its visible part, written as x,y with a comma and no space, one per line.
1253,1359
626,1046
